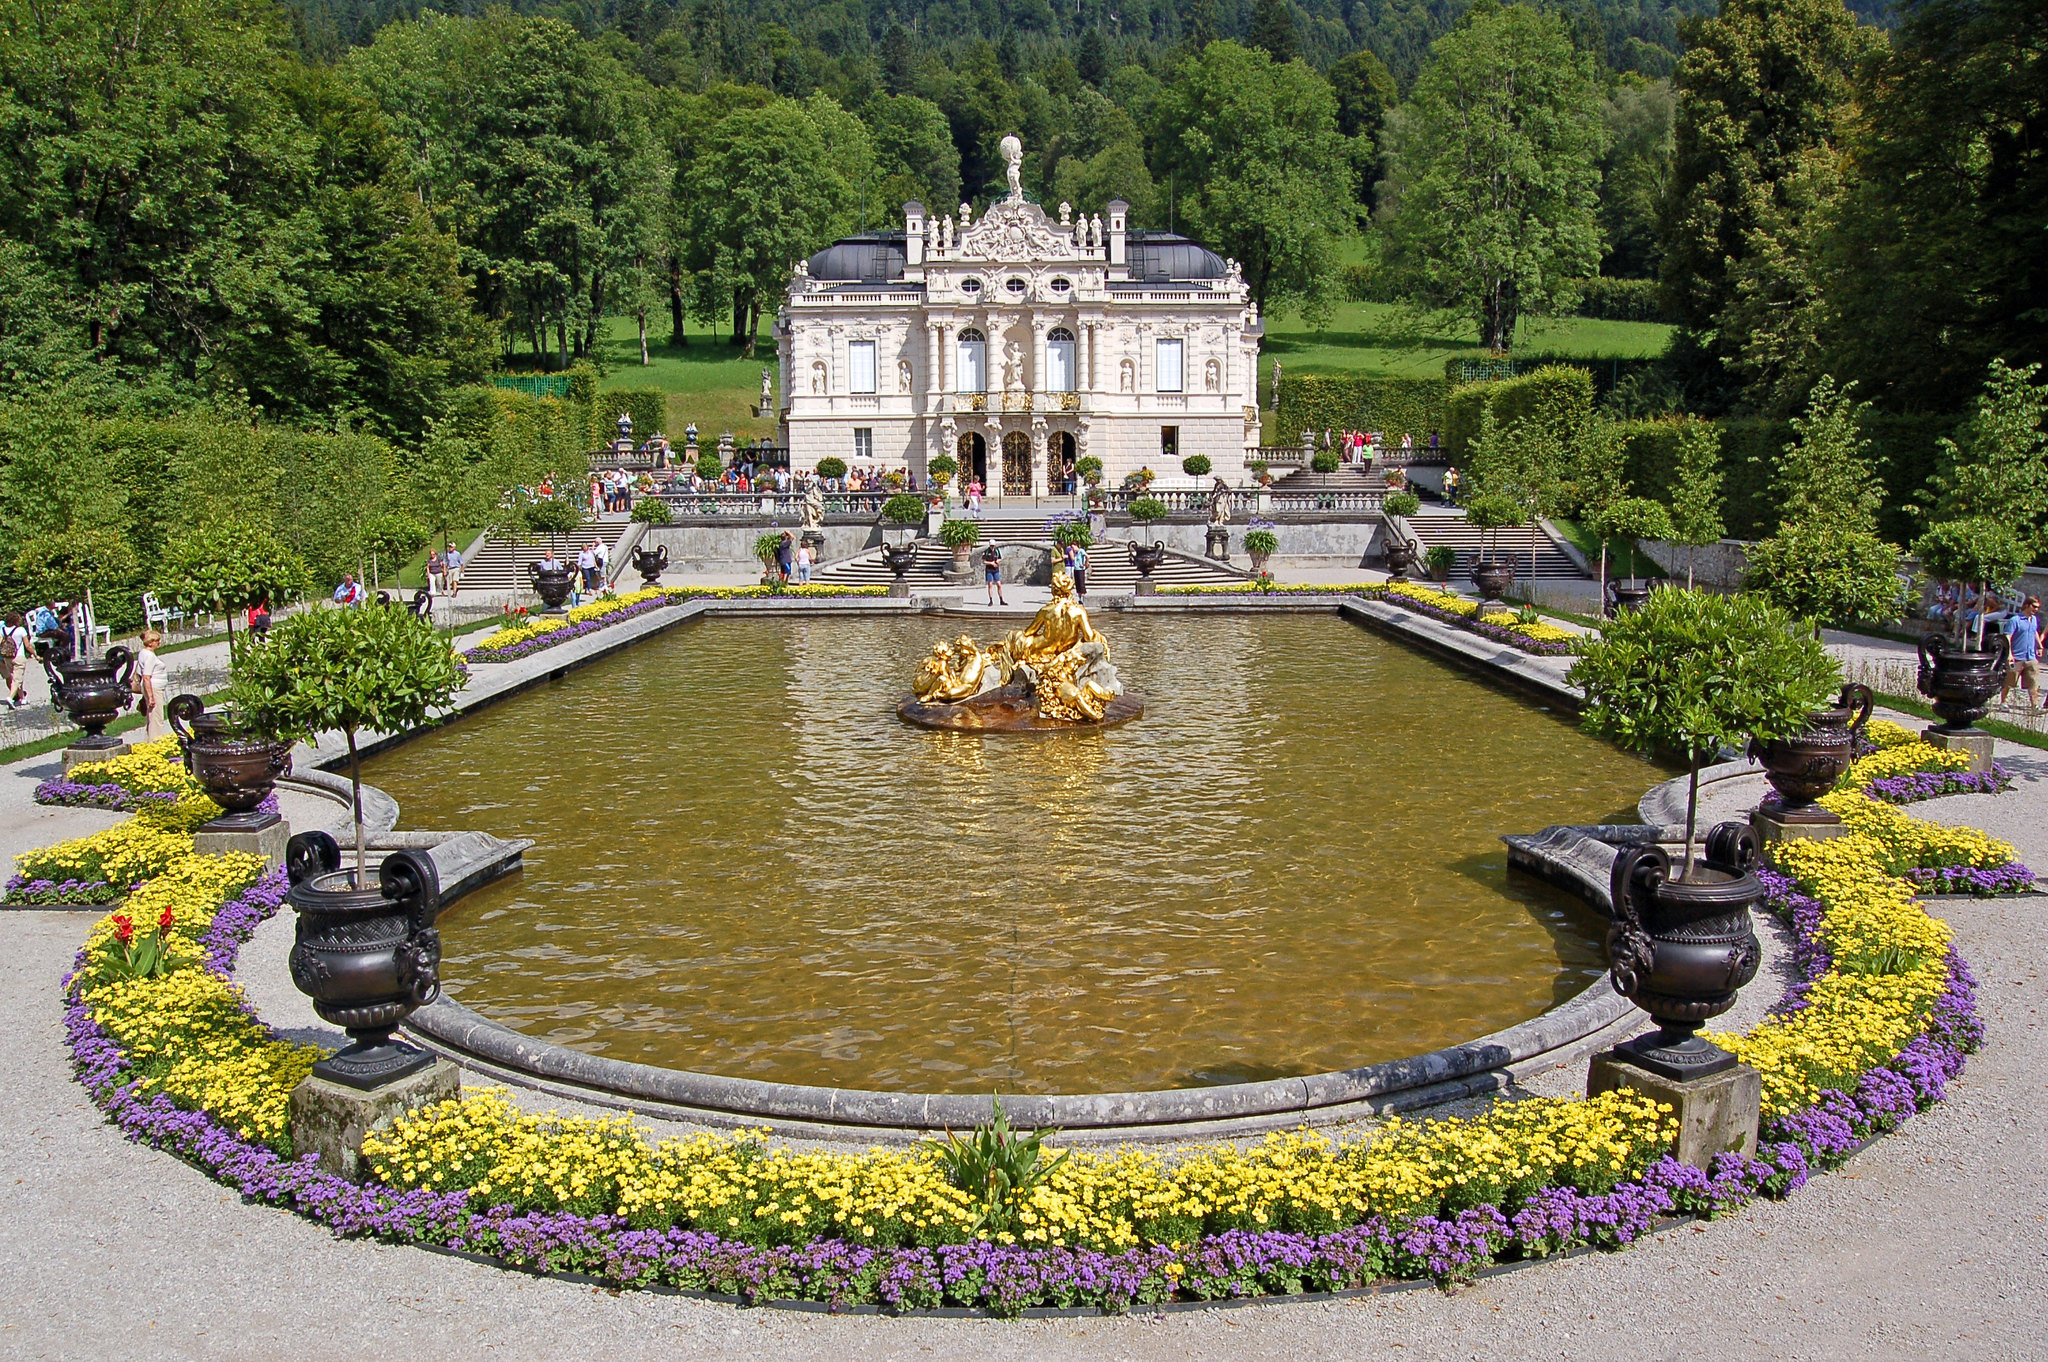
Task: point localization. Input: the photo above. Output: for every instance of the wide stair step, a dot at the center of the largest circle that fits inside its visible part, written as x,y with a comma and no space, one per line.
500,565
1456,532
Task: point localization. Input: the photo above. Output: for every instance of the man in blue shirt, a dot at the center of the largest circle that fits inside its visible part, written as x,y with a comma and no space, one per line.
2024,629
349,592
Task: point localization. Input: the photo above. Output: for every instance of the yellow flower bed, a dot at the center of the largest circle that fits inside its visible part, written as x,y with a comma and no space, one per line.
1904,842
1902,759
1539,631
515,634
153,767
1887,734
123,854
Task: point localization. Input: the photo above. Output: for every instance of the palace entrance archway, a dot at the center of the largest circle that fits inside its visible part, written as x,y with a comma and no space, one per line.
973,458
1016,464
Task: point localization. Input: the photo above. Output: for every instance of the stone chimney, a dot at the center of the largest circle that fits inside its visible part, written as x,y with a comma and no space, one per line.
913,233
1119,214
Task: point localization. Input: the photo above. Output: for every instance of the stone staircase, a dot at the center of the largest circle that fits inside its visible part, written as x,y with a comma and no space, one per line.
499,565
1451,528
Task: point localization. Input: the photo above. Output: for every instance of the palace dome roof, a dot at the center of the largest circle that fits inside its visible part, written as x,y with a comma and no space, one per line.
1160,257
876,259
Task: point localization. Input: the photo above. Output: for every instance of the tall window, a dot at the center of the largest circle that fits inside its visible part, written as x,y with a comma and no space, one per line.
1059,361
860,367
1169,444
1168,370
863,444
972,371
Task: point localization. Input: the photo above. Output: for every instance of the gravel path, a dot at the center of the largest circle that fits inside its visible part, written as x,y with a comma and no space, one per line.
1929,1244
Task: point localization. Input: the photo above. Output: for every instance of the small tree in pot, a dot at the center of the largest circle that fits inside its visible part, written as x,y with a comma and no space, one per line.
1147,510
227,569
1324,461
1628,519
960,536
942,468
1691,672
1196,465
352,671
832,466
1977,552
1491,513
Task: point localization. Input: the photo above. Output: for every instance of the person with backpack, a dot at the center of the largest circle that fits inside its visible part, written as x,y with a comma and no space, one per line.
992,573
14,651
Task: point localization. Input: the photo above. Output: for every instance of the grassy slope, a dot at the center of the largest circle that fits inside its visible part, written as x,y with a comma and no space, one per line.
709,383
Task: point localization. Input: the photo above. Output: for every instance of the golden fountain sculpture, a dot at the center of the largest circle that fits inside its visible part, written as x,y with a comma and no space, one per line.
1053,673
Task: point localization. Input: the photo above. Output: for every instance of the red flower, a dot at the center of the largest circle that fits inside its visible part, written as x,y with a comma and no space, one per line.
124,930
163,922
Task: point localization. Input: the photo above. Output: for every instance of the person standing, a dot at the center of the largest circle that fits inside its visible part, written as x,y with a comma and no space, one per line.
153,684
2024,629
452,562
603,552
586,568
803,564
1077,565
14,651
992,573
437,573
258,619
785,555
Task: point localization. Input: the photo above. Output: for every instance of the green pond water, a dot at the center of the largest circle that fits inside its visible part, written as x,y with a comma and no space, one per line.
747,865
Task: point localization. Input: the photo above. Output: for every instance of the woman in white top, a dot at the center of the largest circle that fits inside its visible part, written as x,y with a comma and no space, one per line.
803,563
153,684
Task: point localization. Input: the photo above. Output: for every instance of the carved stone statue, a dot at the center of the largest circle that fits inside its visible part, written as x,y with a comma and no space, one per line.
1013,365
767,388
1013,159
1127,377
1219,503
814,504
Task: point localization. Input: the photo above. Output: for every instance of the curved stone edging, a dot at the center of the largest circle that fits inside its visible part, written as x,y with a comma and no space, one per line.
1374,1089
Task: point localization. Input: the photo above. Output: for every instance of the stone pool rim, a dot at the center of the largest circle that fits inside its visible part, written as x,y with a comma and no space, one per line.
1469,1069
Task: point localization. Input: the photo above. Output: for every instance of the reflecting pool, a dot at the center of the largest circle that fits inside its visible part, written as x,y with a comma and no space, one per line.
747,865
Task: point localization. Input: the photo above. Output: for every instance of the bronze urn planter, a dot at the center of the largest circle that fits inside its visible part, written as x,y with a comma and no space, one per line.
1146,558
236,772
366,954
552,585
1493,577
1626,595
1959,682
93,693
650,564
1680,949
1809,764
1400,558
898,558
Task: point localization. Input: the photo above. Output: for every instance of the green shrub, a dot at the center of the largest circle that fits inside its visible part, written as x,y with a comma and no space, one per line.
1146,510
1827,574
1402,503
904,509
1088,468
229,568
1261,541
832,466
651,511
1974,549
941,467
767,544
1392,406
552,517
1324,461
1440,559
954,533
708,466
1196,465
68,565
1558,397
1073,531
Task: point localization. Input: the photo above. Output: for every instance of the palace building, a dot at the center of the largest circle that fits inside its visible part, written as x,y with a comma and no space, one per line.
1020,344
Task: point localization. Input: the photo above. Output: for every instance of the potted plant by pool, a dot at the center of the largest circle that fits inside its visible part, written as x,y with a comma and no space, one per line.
767,544
904,512
1261,543
1400,552
1439,561
361,953
1491,513
237,768
1958,673
1688,674
1627,519
961,536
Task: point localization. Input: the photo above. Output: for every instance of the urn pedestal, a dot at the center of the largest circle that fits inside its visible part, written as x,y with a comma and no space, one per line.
93,694
898,559
1218,543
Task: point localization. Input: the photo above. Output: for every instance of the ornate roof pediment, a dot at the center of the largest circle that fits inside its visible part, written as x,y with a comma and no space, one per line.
1015,231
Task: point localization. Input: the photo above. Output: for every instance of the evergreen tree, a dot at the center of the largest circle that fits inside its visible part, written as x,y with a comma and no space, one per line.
899,61
1996,466
1094,58
1272,29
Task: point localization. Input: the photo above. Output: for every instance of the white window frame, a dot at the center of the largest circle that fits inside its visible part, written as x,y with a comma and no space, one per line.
864,444
860,366
1168,371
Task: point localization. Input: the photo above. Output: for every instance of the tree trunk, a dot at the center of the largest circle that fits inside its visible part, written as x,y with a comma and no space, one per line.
675,304
753,326
739,313
561,343
1692,810
1690,550
1603,575
643,336
355,785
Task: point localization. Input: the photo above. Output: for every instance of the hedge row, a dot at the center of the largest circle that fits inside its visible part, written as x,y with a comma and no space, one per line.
1621,300
1394,406
1560,396
1606,370
647,406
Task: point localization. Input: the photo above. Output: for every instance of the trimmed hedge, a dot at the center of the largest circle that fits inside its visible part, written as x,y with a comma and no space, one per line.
1621,300
647,406
1559,395
1606,370
1393,406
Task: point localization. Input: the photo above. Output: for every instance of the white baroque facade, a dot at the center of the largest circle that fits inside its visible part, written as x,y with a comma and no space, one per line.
1018,343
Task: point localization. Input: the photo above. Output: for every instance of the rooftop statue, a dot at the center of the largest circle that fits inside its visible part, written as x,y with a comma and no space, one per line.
1053,673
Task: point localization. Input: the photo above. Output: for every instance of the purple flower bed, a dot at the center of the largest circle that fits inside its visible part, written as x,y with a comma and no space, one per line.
1918,785
77,795
27,893
483,652
2010,878
1007,1279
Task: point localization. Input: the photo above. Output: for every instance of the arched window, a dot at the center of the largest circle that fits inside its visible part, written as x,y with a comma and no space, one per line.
1059,361
971,373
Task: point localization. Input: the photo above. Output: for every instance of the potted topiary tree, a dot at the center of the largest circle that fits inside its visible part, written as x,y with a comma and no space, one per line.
709,467
1147,510
1627,519
1324,461
941,468
904,511
1491,513
1958,674
554,518
228,568
832,466
1196,465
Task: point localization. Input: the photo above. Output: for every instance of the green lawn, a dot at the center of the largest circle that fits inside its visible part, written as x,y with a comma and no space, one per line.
709,383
